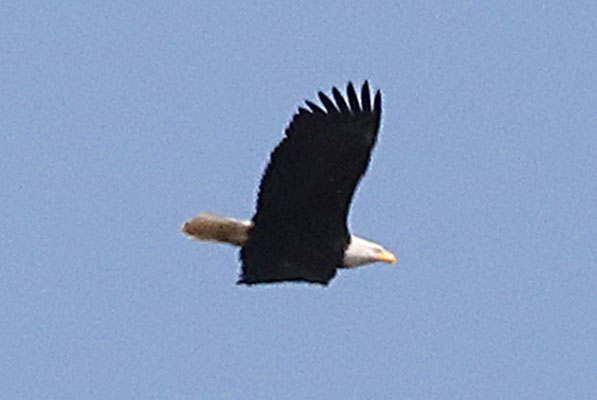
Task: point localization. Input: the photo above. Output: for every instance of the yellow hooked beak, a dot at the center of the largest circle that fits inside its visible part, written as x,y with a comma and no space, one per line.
386,256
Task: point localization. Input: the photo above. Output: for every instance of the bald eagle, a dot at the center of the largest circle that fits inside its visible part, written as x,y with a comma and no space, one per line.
299,231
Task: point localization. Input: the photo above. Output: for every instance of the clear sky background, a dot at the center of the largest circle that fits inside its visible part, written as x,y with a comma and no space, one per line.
119,120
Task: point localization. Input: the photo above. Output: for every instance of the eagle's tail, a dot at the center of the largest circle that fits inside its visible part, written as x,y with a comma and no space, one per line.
213,227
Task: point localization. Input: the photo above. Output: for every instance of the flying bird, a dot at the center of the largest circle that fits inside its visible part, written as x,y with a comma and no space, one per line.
299,231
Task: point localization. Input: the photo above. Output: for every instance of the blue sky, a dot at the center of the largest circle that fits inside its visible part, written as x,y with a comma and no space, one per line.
119,121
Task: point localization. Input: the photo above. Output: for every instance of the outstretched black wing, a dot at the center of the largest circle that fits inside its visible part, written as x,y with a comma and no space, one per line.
300,231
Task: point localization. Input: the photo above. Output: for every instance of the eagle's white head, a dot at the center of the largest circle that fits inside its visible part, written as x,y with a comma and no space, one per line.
362,251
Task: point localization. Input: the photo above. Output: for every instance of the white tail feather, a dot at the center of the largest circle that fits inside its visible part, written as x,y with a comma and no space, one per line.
216,228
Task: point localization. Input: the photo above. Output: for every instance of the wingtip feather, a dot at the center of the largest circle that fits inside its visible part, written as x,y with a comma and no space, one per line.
340,100
327,103
352,98
314,107
365,97
377,102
